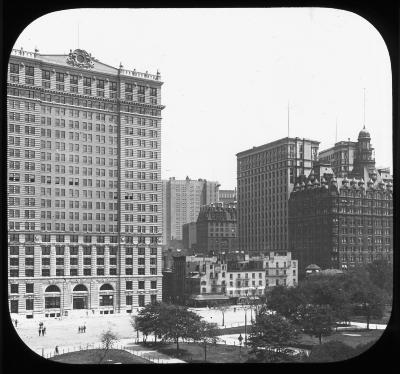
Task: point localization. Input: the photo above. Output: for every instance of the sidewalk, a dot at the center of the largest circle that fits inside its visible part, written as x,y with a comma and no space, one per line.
125,344
153,355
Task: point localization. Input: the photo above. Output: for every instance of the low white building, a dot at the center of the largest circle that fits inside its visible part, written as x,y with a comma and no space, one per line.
281,270
250,277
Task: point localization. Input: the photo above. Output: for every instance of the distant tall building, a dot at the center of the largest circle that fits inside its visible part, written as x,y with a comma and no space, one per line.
341,157
217,229
354,159
84,185
182,200
189,234
265,177
227,197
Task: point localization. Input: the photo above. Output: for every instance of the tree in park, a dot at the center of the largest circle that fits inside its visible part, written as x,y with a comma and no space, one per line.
172,323
315,320
328,290
381,275
222,308
370,302
270,338
180,323
206,333
108,339
148,320
284,300
368,299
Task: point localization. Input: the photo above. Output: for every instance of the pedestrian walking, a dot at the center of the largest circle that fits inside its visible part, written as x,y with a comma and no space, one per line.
40,331
84,328
44,331
56,350
16,322
79,329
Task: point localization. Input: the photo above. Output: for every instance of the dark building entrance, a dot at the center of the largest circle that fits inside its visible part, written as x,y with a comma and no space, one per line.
80,297
79,302
14,306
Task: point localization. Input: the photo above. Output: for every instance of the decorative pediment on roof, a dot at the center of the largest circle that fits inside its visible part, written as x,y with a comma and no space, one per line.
81,59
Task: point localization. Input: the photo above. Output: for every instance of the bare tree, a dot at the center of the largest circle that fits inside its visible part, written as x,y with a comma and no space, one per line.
223,308
108,339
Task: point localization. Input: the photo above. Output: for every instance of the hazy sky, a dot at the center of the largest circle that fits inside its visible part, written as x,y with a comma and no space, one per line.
229,74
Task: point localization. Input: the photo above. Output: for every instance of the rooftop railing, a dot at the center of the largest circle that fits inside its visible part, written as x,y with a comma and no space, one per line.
131,73
21,52
146,75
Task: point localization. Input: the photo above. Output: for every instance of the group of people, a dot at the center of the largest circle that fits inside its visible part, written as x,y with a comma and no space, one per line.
81,329
42,329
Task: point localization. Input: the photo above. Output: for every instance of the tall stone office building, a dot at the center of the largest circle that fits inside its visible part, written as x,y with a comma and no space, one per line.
182,200
265,179
84,185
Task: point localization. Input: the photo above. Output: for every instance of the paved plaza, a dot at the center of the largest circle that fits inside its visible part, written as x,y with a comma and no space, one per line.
64,332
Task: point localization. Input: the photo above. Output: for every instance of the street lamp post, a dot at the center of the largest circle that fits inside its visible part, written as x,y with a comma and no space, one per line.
240,338
245,327
137,331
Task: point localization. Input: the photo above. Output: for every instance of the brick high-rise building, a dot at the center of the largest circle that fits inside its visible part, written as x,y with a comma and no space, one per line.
182,200
340,223
216,229
265,178
84,185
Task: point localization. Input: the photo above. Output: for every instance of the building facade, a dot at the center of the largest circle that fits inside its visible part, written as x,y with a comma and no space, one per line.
84,185
354,159
341,157
189,234
227,197
338,223
239,279
265,177
182,200
216,229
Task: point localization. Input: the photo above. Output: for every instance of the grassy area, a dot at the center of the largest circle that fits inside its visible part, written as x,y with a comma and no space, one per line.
193,352
365,337
220,353
234,330
92,356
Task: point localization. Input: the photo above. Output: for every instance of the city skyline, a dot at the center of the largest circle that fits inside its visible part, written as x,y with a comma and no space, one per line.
300,48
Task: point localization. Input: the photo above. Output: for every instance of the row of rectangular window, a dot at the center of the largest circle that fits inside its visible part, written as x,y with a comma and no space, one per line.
87,251
14,273
72,238
29,287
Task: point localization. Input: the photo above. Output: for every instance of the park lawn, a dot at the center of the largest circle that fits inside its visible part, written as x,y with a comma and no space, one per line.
194,352
366,336
92,356
234,330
